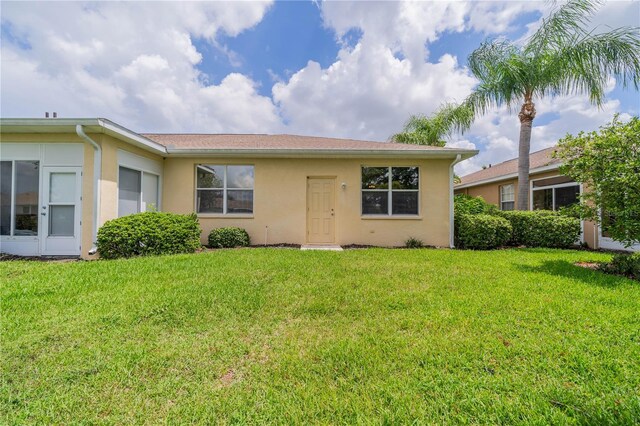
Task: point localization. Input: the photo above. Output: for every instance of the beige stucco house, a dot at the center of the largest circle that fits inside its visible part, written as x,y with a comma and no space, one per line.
549,190
63,178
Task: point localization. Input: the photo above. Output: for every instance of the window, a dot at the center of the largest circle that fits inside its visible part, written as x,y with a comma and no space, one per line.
390,190
137,191
507,197
555,193
19,191
224,189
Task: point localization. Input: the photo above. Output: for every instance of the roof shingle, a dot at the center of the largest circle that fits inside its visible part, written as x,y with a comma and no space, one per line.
277,142
537,159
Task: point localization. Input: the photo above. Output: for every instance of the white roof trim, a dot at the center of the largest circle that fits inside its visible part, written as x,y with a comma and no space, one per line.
508,176
91,125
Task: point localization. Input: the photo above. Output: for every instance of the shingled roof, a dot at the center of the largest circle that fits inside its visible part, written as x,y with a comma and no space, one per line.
277,142
508,168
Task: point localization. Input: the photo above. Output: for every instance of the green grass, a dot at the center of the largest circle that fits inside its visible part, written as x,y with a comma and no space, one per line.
285,336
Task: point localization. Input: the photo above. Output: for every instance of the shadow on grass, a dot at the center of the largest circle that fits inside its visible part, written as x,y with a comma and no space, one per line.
567,269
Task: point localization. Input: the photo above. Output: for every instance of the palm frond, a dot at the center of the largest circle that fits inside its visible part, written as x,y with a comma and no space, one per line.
587,65
563,24
432,130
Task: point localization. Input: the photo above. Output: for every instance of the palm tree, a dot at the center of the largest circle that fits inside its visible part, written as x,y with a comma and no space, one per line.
432,130
561,58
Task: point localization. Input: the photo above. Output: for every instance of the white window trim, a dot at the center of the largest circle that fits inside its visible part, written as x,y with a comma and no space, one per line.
552,187
143,165
502,201
224,190
390,191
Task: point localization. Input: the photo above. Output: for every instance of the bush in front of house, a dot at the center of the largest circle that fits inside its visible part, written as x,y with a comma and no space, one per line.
481,231
413,243
149,233
542,228
228,238
623,264
466,204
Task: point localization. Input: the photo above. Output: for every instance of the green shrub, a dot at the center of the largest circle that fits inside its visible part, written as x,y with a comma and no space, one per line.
466,204
228,237
623,264
482,231
542,228
413,243
150,233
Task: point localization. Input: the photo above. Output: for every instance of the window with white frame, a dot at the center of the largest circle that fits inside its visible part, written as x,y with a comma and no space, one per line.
224,189
138,191
19,195
390,190
554,193
507,197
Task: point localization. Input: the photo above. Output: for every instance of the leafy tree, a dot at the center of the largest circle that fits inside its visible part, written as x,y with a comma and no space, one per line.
607,162
432,130
561,58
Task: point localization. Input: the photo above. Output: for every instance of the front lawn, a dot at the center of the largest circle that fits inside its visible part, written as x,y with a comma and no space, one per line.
286,336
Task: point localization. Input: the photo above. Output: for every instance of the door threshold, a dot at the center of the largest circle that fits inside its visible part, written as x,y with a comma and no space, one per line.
329,247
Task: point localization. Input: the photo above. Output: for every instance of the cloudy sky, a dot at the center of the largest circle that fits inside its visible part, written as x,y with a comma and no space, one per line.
343,69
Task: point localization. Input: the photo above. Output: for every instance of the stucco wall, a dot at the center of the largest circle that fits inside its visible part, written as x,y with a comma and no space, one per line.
280,200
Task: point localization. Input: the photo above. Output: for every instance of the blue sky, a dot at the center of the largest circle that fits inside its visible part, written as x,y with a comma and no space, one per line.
341,69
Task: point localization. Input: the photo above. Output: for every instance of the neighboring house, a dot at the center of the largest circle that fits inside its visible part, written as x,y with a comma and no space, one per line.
62,178
548,190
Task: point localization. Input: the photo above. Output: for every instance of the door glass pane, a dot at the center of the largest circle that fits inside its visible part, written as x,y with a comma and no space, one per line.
6,177
26,197
543,199
404,202
62,187
128,192
209,201
375,202
375,178
61,220
239,201
404,177
150,192
567,196
240,177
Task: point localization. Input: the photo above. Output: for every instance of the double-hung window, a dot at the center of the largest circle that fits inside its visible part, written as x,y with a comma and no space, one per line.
224,189
390,191
137,191
507,197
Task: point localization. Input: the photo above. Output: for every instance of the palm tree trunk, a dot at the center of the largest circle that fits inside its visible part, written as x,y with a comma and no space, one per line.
527,114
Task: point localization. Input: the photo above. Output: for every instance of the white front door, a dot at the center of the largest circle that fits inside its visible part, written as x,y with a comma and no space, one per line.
61,210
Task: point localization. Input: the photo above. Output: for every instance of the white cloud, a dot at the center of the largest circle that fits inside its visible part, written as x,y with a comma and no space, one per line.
133,62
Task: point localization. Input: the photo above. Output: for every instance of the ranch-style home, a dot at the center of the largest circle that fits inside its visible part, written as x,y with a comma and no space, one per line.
548,190
63,178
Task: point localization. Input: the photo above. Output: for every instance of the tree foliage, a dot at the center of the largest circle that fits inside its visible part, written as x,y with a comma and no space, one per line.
607,162
432,130
563,57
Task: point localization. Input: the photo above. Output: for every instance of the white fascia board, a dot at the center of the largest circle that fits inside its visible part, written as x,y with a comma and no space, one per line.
312,153
68,125
509,176
131,137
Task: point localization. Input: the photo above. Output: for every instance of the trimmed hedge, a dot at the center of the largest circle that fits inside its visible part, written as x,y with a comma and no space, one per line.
228,238
482,231
149,233
542,228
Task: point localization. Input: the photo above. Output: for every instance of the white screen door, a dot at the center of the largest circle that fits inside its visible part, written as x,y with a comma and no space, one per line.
60,211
